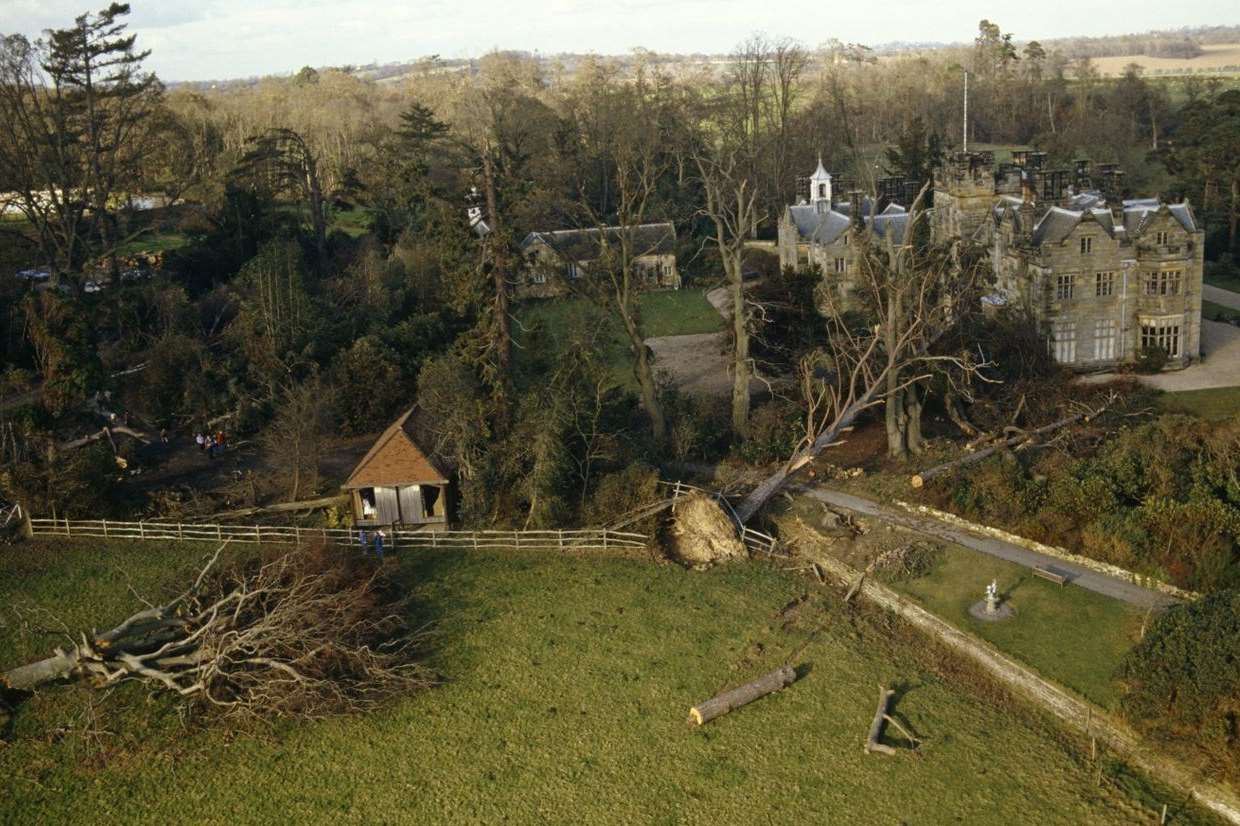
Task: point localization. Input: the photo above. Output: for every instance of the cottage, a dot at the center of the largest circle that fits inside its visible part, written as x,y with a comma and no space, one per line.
553,257
396,484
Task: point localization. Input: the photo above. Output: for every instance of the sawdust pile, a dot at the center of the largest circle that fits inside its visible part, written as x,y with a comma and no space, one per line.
702,534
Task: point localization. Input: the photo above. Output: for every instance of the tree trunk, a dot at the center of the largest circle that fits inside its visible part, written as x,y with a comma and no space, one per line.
913,405
876,727
938,470
643,371
316,209
499,254
729,700
740,360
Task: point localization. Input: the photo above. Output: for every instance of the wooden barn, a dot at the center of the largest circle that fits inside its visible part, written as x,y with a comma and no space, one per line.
396,484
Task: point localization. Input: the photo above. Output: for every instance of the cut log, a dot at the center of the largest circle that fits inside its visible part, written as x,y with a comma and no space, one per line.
876,727
105,433
283,507
735,698
938,470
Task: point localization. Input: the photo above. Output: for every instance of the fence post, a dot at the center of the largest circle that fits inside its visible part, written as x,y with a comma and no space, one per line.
68,530
258,534
560,536
141,530
105,529
604,539
219,534
180,531
475,536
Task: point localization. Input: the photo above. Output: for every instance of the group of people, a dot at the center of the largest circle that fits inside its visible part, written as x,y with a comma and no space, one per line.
366,542
211,443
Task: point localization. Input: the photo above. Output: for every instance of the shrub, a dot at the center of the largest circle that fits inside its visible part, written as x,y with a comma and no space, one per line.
774,430
1183,679
1150,360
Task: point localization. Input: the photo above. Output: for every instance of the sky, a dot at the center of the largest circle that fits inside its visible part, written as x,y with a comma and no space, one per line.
220,39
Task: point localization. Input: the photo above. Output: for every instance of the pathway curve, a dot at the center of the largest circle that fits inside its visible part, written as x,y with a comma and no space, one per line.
1077,575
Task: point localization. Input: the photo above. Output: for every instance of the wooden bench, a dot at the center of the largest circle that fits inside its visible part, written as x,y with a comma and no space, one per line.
1053,576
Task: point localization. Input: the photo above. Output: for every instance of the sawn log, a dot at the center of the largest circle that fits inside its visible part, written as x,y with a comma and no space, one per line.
735,698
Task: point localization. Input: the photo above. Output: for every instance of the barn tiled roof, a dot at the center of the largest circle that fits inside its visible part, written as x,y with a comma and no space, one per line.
584,244
395,459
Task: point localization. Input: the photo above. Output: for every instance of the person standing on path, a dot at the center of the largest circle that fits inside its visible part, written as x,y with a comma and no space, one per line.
379,544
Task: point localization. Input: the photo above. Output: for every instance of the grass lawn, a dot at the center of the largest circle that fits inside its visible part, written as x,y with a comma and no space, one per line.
567,681
353,222
1217,312
1213,403
1070,635
1074,636
1223,282
154,242
543,325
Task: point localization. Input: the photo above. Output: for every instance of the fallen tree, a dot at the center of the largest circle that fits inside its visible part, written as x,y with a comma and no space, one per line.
304,634
735,698
1020,439
912,296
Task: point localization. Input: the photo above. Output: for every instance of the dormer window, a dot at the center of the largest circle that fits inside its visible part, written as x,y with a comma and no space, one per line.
1162,238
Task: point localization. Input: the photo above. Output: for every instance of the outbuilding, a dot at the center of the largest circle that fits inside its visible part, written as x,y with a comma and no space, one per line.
397,484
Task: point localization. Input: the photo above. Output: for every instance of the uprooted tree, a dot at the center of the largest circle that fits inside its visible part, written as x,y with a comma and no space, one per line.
913,295
306,633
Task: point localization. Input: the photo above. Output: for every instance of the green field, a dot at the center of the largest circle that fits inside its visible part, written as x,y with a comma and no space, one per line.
544,323
1224,280
1070,635
1213,403
566,685
1217,312
1073,636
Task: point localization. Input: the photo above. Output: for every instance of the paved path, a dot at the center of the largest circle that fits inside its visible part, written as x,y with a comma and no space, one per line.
1077,575
1220,296
1219,366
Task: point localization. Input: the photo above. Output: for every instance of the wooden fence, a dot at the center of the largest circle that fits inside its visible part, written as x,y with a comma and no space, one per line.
552,540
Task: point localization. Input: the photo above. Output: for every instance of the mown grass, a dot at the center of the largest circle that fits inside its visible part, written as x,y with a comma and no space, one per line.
1212,403
1224,280
1070,635
567,682
544,325
1073,636
1217,312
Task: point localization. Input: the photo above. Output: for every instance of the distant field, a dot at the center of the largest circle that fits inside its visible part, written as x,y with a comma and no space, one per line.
567,682
1223,58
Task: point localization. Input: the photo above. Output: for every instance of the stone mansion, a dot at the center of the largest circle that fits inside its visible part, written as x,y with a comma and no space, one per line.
1104,277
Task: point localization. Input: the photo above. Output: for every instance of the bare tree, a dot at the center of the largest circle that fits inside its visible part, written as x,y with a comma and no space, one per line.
614,280
731,205
305,634
916,296
294,440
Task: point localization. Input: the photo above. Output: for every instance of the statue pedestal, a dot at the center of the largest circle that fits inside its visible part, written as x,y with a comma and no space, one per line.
979,611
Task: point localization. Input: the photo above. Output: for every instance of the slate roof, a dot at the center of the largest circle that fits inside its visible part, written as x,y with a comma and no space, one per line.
825,226
395,459
1057,222
585,244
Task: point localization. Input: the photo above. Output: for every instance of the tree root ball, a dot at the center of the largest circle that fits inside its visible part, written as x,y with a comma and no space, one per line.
703,534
